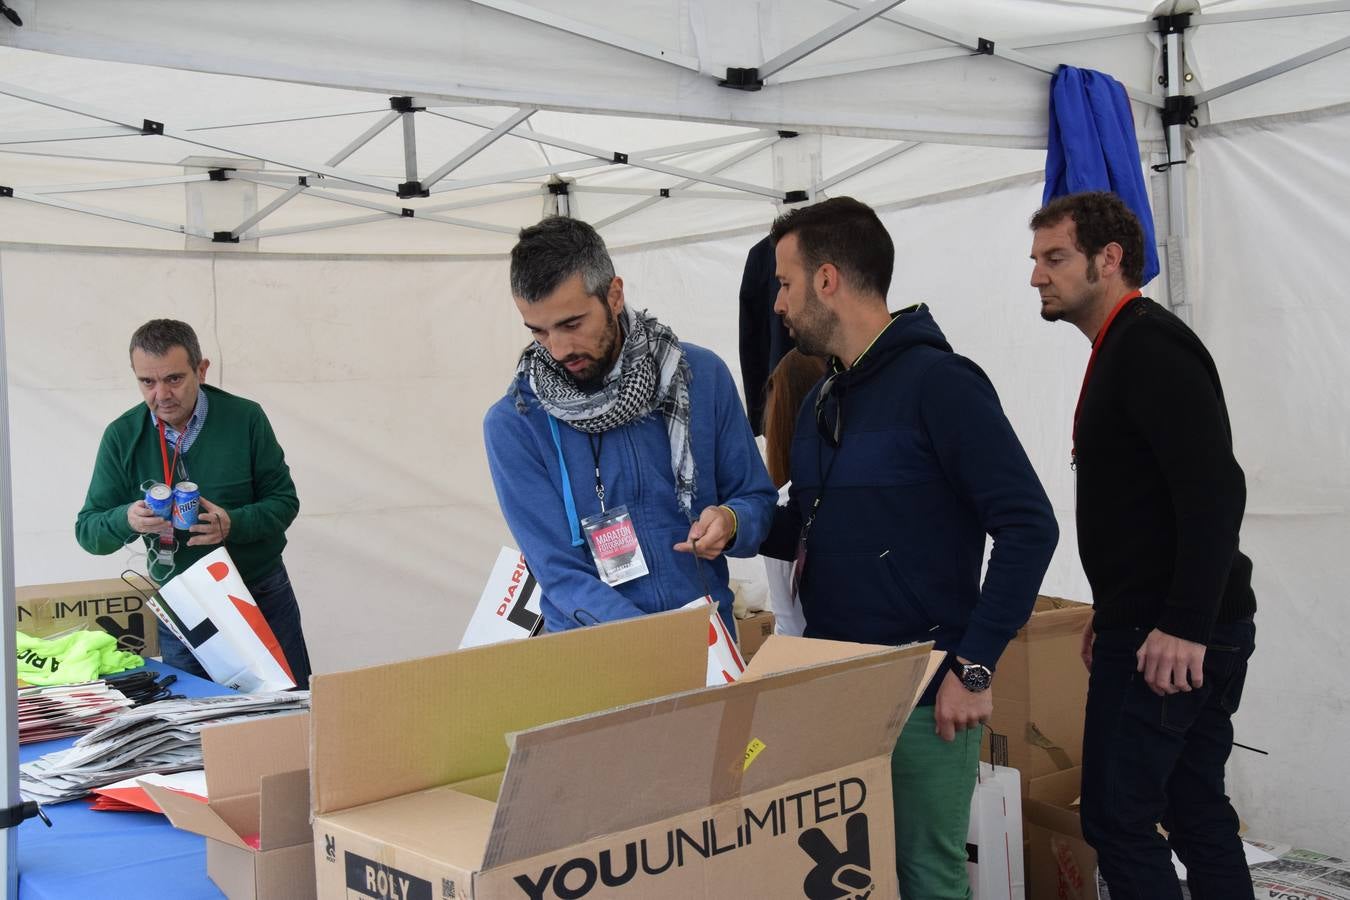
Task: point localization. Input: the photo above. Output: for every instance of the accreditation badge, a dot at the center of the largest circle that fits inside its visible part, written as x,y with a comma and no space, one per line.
614,545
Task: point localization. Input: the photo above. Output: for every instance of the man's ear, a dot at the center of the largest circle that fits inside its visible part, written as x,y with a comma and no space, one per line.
827,280
1112,254
614,297
201,370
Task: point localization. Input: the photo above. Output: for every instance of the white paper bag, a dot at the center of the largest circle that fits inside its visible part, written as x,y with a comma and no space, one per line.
994,842
724,659
208,608
509,605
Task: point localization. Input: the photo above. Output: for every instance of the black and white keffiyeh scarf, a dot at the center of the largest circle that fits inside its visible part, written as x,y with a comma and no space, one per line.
651,375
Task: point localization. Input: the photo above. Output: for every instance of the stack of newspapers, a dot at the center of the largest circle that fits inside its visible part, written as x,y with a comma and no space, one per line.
65,710
158,737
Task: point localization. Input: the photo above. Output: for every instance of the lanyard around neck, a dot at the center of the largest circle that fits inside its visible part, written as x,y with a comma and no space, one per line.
1092,361
169,468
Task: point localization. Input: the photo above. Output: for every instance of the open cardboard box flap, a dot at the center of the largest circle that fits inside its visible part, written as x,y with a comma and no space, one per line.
705,747
256,780
373,736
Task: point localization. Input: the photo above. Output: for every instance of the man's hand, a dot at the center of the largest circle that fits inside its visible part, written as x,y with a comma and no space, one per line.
213,525
713,531
1085,651
143,521
958,709
1171,664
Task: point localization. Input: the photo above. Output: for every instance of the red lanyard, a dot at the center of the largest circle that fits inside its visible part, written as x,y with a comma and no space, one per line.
169,469
1092,361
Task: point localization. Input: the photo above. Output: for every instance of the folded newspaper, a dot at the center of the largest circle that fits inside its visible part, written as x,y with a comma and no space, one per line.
158,737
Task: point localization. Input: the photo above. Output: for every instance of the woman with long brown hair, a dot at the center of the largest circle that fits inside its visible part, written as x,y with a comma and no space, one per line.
788,385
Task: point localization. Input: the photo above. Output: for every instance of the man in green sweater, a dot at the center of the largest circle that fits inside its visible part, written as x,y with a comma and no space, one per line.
223,443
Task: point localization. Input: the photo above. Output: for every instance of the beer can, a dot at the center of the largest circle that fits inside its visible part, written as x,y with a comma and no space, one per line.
159,497
185,501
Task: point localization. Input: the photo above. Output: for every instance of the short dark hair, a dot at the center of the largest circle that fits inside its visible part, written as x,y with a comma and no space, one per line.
158,336
1099,218
846,233
552,251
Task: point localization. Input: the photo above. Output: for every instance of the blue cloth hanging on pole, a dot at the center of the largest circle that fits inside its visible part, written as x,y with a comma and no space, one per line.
1092,147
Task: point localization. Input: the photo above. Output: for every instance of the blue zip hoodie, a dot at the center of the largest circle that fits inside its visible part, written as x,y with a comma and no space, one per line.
927,466
528,471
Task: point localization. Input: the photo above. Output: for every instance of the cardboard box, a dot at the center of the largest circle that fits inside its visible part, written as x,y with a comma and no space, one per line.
256,821
1040,692
109,604
573,765
1059,864
753,631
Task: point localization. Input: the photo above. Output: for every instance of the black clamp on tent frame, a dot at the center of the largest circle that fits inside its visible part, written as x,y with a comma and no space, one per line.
22,812
150,126
787,134
408,213
795,196
621,158
1174,24
220,174
742,79
404,105
984,47
559,188
224,237
664,192
6,191
1179,110
412,189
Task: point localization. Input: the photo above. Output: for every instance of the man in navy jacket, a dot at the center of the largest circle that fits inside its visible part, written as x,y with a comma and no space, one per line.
902,463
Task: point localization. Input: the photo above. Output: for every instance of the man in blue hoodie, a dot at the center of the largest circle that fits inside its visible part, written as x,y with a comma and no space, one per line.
902,463
621,456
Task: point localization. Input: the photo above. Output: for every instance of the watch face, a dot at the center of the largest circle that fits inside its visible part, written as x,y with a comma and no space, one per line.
976,678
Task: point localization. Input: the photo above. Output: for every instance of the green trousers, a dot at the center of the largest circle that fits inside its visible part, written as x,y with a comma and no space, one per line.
931,783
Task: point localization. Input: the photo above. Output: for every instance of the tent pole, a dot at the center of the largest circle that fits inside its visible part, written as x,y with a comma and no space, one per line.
1176,114
9,730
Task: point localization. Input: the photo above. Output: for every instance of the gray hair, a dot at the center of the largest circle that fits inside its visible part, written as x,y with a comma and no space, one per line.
554,250
158,336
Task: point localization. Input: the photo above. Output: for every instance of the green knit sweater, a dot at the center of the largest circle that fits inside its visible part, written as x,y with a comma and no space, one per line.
236,463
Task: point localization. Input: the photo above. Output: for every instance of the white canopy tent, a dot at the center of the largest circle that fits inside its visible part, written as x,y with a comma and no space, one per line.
257,169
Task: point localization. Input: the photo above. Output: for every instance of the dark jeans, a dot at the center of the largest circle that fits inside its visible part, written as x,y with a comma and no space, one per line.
276,600
1150,759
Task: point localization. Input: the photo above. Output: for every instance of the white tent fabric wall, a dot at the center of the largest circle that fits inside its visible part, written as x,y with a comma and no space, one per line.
376,369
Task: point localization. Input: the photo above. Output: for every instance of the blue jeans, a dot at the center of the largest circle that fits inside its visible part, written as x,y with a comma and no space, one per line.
1150,759
276,600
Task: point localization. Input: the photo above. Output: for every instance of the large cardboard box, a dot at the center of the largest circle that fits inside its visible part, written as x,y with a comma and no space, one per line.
1059,863
595,763
109,604
256,821
753,631
1040,692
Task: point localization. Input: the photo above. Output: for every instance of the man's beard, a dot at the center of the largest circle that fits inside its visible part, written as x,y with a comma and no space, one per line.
592,378
1084,299
814,329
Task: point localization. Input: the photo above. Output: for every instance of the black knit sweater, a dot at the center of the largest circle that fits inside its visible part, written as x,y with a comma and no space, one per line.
1160,496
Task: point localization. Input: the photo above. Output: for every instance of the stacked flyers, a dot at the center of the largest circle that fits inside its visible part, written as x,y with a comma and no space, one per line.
58,711
157,737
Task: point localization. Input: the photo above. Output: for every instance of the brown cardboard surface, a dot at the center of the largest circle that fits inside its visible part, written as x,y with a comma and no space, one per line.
107,604
694,750
1040,692
252,793
376,739
752,631
1060,864
439,824
765,844
195,816
235,755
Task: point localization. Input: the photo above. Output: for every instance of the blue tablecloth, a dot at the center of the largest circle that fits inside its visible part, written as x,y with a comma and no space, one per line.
112,854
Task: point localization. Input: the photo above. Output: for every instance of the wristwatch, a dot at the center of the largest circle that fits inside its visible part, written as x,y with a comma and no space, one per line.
974,677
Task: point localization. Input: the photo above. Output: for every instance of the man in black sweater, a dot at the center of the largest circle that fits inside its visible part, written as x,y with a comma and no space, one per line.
1160,501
